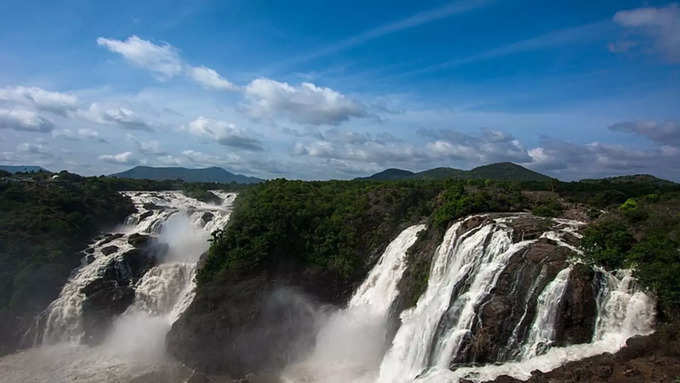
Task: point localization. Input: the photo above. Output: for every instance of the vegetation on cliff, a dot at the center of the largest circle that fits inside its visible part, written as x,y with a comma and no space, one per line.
44,222
642,233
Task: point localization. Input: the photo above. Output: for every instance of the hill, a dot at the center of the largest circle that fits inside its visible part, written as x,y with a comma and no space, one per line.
505,171
392,174
22,169
633,179
213,174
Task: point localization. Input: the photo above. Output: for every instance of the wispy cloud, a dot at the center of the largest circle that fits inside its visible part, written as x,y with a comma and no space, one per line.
415,20
579,34
661,25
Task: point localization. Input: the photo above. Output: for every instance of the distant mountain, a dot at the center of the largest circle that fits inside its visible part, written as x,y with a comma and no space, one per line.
635,178
392,174
213,174
499,171
22,169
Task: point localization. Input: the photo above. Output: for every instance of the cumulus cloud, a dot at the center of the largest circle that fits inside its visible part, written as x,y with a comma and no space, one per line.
665,133
41,99
305,104
210,79
661,25
162,59
24,120
120,116
575,161
125,158
224,133
489,146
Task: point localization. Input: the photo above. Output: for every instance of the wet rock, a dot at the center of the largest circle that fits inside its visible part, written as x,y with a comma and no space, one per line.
577,311
108,250
138,240
108,238
89,250
207,217
151,206
512,307
145,215
112,293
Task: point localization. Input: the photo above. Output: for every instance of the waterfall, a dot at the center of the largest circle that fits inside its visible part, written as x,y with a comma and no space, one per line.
351,342
134,344
184,224
464,272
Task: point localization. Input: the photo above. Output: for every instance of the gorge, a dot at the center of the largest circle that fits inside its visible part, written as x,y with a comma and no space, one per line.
418,296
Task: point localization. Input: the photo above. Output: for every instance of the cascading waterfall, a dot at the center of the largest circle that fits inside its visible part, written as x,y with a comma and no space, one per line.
135,343
465,270
351,342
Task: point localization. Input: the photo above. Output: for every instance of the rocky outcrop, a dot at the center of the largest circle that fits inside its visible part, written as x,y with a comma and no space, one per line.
251,323
653,358
112,293
578,310
506,315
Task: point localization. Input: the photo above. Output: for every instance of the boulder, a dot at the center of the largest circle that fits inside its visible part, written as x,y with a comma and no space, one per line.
108,250
138,240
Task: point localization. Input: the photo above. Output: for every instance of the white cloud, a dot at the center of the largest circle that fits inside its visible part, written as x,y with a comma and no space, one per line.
662,25
305,104
41,99
120,116
210,79
125,158
79,134
489,146
24,120
224,133
667,133
163,59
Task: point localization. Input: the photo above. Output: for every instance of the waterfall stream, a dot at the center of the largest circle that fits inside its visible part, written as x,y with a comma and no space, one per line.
478,260
135,343
465,270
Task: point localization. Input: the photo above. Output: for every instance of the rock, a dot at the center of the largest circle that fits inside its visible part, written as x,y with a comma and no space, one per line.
576,321
605,371
138,240
207,217
151,206
89,250
108,250
145,215
112,293
108,238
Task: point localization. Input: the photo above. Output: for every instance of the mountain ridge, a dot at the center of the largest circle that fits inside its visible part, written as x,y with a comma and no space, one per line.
22,168
505,171
211,174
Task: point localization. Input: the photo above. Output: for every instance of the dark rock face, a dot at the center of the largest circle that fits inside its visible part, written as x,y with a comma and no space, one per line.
145,215
138,240
578,308
108,250
261,329
207,217
506,315
112,293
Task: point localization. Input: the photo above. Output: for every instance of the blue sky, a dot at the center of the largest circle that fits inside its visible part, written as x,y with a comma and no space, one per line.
318,90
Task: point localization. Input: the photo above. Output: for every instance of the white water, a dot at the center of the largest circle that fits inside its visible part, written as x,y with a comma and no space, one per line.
351,342
136,343
421,350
